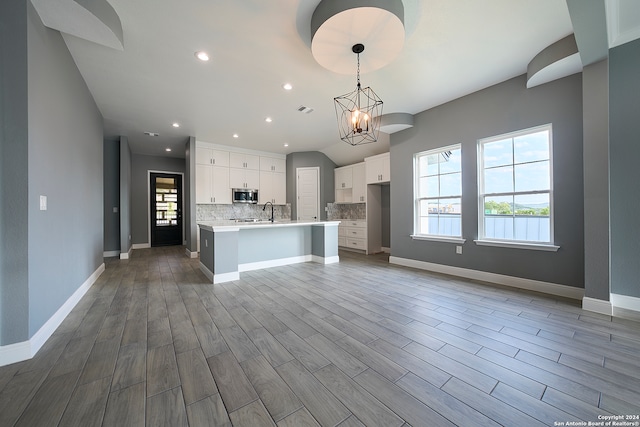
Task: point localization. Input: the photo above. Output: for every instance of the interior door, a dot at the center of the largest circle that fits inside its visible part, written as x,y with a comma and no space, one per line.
308,194
166,209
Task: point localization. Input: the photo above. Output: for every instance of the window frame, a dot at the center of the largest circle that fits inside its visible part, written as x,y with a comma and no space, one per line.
416,197
515,243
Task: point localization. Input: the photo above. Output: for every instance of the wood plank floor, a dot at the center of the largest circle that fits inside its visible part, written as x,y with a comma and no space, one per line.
360,342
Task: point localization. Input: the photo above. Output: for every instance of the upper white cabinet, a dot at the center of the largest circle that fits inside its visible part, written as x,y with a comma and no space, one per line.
244,161
212,184
378,169
219,170
350,185
359,189
272,164
343,177
208,156
244,178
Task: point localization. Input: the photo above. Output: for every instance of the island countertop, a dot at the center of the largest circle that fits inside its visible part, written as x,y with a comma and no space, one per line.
229,225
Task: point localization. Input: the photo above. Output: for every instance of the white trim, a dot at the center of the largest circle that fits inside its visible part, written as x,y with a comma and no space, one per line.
518,245
190,254
13,353
108,254
443,239
325,260
626,302
386,250
27,349
597,305
259,265
500,279
206,271
126,255
140,246
226,277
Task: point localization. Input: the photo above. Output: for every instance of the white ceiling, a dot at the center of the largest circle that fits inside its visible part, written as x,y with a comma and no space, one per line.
452,48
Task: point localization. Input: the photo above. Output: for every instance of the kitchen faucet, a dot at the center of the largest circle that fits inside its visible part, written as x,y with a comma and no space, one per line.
265,207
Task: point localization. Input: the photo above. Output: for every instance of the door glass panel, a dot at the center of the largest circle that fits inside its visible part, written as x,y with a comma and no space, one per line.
166,202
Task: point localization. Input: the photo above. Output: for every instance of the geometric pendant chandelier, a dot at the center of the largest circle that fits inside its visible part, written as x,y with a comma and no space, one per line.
358,112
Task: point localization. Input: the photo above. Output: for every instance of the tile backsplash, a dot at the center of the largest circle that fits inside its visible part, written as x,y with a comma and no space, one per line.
346,211
241,210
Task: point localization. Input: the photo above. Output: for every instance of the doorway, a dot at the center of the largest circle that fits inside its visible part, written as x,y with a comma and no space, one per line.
308,194
165,208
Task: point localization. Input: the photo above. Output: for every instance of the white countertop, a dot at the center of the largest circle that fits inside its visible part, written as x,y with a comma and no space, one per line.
231,225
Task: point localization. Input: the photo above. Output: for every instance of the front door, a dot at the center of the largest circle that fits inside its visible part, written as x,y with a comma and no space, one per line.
166,209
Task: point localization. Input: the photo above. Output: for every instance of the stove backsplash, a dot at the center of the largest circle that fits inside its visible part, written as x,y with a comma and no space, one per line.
241,210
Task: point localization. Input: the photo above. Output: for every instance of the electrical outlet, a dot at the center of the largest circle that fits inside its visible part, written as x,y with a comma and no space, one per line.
459,250
115,209
206,243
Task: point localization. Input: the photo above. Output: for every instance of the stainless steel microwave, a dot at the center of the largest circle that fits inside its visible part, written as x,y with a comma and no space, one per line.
244,195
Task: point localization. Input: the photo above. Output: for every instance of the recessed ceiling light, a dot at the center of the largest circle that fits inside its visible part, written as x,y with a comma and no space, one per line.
167,149
176,125
152,134
286,145
268,120
202,55
287,86
235,135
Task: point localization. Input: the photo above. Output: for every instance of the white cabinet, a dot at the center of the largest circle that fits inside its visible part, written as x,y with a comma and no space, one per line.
272,164
359,190
350,185
378,169
273,188
343,178
352,234
244,161
212,185
244,178
208,156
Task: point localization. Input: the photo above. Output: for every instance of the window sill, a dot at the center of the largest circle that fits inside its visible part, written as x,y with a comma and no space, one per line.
518,245
443,239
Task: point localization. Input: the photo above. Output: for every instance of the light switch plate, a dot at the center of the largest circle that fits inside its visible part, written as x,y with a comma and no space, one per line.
43,203
459,250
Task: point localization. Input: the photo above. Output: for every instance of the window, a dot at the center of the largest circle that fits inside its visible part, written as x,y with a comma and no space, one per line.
438,193
515,187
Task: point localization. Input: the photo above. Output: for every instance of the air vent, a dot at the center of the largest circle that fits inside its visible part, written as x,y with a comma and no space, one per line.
304,109
151,134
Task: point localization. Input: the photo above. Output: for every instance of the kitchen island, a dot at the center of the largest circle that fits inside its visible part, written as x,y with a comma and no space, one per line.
228,248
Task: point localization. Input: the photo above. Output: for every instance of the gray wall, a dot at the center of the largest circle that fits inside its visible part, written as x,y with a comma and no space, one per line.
595,84
111,177
506,107
14,275
140,166
311,159
385,215
624,151
190,225
65,164
125,195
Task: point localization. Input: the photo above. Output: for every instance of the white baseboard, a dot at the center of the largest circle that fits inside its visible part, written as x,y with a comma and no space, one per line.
27,349
126,255
190,254
226,277
500,279
108,254
206,271
249,266
140,246
325,260
626,302
597,305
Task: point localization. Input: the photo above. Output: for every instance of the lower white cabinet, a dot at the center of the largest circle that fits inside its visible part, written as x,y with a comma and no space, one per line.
352,234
